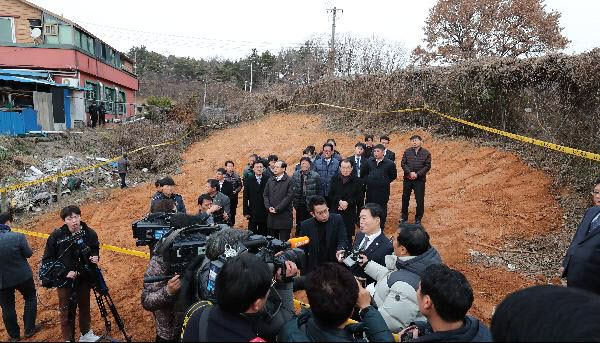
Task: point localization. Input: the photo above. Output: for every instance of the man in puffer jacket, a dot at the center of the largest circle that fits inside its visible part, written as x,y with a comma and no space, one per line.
397,282
307,184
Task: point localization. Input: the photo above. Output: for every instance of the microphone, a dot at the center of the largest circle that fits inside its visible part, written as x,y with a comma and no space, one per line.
159,278
299,241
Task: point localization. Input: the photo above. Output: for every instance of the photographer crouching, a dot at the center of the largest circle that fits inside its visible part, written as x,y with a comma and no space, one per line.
68,251
243,290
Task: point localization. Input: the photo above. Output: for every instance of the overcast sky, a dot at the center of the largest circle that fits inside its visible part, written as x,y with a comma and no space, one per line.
230,29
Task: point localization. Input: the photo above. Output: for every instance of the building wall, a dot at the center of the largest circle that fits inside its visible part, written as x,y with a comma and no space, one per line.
66,59
129,93
20,12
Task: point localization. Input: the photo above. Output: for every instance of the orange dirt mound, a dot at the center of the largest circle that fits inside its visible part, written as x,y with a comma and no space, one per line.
474,196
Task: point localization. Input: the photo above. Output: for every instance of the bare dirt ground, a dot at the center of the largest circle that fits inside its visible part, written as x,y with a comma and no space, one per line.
474,196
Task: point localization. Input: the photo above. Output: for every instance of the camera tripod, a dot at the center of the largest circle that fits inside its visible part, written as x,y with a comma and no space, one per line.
103,299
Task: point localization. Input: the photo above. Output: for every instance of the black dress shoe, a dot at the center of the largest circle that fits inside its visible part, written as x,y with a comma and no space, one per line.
38,328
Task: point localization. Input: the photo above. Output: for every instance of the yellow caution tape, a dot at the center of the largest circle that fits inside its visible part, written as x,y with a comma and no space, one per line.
125,251
561,148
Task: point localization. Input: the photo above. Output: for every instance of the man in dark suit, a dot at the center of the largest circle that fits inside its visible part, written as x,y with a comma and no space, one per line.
381,172
370,240
416,163
16,274
253,202
225,186
581,265
327,234
387,153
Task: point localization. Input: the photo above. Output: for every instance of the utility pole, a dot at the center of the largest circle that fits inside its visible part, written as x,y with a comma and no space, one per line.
333,11
251,62
204,101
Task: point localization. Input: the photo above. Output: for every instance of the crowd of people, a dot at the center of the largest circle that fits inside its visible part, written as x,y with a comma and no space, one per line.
361,284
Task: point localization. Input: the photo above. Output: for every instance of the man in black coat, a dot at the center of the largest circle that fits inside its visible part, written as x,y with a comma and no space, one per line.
387,153
381,172
370,240
345,195
76,281
416,163
253,202
278,198
581,265
326,232
101,114
16,274
93,110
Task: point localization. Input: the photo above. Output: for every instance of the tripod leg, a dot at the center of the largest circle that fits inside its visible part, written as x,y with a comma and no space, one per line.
72,312
103,312
115,313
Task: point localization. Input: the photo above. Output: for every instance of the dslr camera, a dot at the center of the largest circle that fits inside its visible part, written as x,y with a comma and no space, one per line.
351,257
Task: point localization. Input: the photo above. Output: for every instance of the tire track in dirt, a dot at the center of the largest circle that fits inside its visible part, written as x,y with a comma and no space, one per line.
474,195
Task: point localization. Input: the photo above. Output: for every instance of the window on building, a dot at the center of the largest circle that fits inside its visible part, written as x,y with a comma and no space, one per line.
121,103
78,39
109,99
7,30
91,93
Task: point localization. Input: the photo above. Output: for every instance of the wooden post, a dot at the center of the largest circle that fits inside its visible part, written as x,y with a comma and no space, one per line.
96,175
58,188
4,202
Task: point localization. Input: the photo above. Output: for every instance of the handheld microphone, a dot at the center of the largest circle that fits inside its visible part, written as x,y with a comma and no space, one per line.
159,278
299,241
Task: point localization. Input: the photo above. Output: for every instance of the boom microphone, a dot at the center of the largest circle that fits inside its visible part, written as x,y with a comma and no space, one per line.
299,241
159,278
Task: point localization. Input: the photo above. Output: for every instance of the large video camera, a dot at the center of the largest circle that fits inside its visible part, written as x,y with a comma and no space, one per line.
179,247
272,251
150,229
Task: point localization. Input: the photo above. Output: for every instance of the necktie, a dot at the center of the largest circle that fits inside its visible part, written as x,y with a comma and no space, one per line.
595,225
364,244
358,166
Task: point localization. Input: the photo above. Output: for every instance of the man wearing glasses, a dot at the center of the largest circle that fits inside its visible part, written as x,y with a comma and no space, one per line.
581,265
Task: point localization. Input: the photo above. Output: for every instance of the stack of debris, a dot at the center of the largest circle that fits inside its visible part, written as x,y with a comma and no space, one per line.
33,198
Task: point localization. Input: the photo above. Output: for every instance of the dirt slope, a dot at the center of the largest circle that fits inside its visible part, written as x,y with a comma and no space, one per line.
474,195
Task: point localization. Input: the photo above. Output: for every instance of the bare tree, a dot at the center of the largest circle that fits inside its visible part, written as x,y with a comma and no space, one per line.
458,30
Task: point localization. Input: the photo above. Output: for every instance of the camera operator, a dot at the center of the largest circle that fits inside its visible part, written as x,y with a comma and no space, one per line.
69,256
160,297
16,274
444,297
242,291
398,281
370,240
333,292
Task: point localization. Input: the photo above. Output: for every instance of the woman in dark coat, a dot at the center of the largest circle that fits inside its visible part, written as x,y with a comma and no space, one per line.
344,195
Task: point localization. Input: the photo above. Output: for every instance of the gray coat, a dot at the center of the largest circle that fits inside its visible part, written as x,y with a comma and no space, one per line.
279,194
312,187
14,252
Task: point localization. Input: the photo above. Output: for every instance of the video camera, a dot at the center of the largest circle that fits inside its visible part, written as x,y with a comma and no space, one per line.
150,230
179,247
265,247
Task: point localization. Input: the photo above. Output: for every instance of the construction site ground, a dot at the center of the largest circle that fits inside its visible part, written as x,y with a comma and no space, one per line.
477,198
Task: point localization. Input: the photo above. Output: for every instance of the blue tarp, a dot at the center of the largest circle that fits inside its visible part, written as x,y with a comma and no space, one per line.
25,73
38,81
18,123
